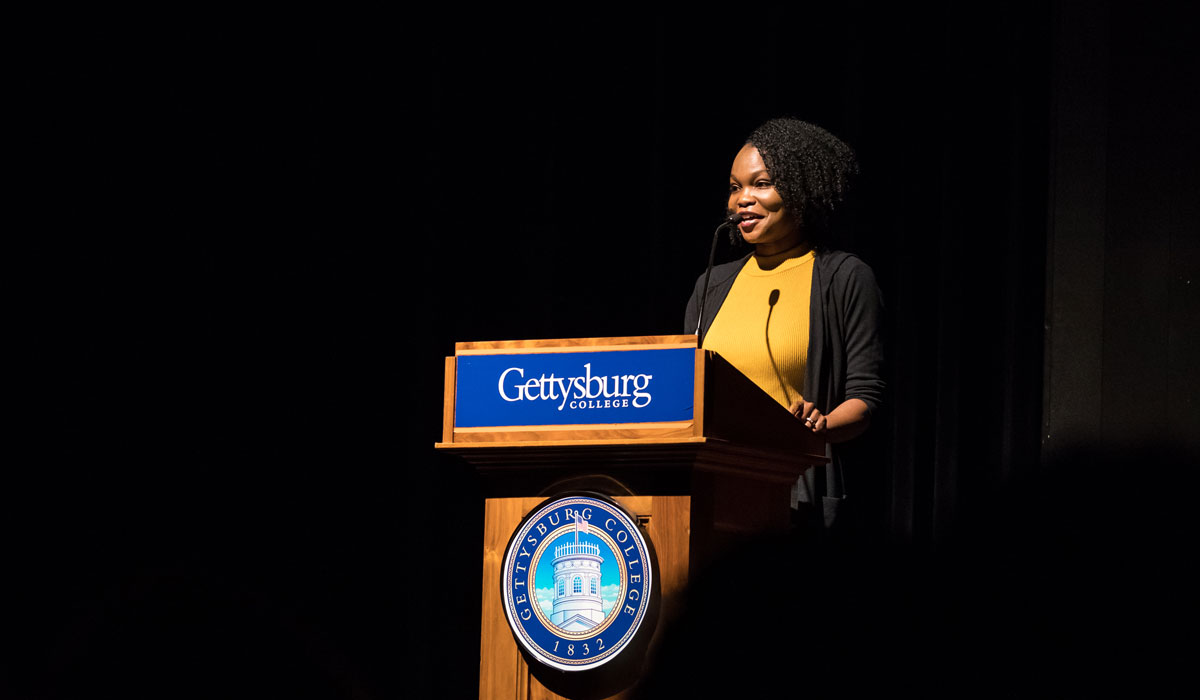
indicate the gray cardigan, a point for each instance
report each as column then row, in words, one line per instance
column 845, row 348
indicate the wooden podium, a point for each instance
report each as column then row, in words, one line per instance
column 697, row 485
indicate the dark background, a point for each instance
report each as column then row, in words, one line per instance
column 254, row 239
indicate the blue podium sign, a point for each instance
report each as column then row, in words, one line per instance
column 575, row 388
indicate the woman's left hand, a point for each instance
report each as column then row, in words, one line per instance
column 807, row 411
column 843, row 423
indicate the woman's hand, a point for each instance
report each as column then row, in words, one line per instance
column 847, row 421
column 807, row 411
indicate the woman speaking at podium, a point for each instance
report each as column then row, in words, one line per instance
column 800, row 319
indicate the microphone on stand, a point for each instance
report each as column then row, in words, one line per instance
column 733, row 220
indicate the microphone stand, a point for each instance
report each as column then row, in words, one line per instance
column 712, row 254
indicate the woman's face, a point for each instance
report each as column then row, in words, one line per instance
column 766, row 223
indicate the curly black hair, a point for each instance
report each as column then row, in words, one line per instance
column 812, row 170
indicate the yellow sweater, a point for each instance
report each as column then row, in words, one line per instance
column 762, row 327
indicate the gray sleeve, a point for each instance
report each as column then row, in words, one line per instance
column 862, row 318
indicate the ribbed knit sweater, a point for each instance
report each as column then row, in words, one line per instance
column 762, row 327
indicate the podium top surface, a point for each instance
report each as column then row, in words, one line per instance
column 619, row 392
column 500, row 347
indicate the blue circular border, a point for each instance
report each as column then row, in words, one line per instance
column 546, row 645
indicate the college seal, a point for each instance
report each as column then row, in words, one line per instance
column 577, row 582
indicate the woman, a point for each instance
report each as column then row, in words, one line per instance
column 799, row 319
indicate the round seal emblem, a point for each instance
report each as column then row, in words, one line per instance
column 577, row 582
